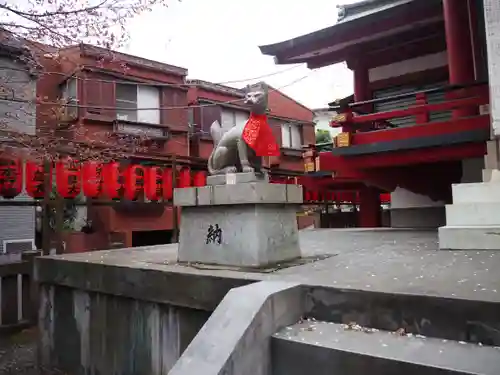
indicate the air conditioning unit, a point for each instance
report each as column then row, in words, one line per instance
column 18, row 246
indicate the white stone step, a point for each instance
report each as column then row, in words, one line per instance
column 476, row 192
column 469, row 237
column 473, row 214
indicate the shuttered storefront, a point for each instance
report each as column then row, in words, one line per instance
column 403, row 103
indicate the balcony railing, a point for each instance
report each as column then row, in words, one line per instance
column 463, row 118
column 466, row 99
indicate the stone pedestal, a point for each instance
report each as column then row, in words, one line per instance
column 235, row 223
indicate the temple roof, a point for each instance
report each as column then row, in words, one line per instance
column 353, row 19
column 349, row 12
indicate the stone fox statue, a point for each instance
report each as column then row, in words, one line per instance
column 241, row 148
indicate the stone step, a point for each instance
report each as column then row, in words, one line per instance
column 480, row 192
column 469, row 237
column 473, row 316
column 320, row 348
column 473, row 214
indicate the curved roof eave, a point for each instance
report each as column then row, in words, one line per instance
column 343, row 25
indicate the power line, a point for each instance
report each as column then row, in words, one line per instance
column 155, row 84
column 167, row 108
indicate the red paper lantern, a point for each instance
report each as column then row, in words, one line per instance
column 184, row 178
column 91, row 179
column 35, row 177
column 11, row 178
column 199, row 179
column 111, row 185
column 331, row 196
column 314, row 196
column 307, row 195
column 68, row 176
column 134, row 181
column 153, row 184
column 168, row 183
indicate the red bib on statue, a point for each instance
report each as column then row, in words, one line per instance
column 258, row 135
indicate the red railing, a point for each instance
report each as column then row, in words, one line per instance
column 465, row 97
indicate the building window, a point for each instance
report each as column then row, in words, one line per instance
column 70, row 96
column 190, row 115
column 138, row 103
column 231, row 118
column 291, row 136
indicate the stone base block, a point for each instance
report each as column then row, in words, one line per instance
column 473, row 214
column 248, row 235
column 476, row 192
column 469, row 238
column 473, row 220
column 243, row 193
column 236, row 178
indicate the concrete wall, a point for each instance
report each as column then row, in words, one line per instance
column 17, row 223
column 95, row 318
column 472, row 170
column 410, row 210
column 107, row 334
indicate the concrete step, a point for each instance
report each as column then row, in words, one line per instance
column 486, row 237
column 473, row 214
column 472, row 317
column 480, row 192
column 320, row 348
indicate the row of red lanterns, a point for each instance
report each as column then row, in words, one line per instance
column 95, row 179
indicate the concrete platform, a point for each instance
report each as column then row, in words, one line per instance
column 384, row 260
column 384, row 279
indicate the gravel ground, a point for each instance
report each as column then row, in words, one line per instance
column 18, row 353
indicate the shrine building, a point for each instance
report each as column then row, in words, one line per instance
column 418, row 120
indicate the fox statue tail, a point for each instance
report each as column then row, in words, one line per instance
column 216, row 133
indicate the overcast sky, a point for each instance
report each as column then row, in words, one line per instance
column 217, row 40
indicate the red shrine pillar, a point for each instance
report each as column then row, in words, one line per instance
column 459, row 48
column 361, row 86
column 361, row 83
column 369, row 207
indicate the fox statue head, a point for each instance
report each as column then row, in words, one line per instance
column 257, row 96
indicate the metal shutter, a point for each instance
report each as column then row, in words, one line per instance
column 392, row 105
column 437, row 97
column 396, row 104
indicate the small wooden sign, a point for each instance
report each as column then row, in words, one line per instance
column 343, row 139
column 309, row 166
